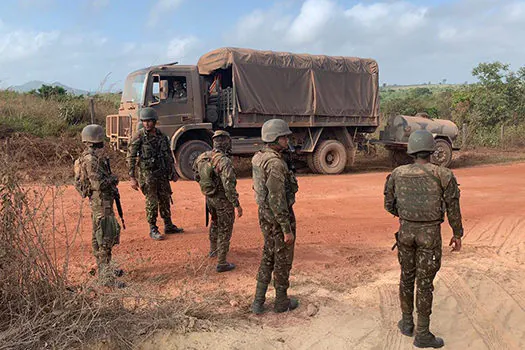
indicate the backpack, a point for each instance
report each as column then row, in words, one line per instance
column 205, row 174
column 82, row 184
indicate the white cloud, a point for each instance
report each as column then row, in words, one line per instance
column 22, row 44
column 314, row 16
column 180, row 48
column 412, row 42
column 160, row 8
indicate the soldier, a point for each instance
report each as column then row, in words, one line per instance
column 150, row 148
column 419, row 194
column 275, row 186
column 93, row 179
column 222, row 198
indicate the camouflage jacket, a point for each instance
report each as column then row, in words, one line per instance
column 275, row 185
column 223, row 168
column 423, row 193
column 152, row 153
column 92, row 175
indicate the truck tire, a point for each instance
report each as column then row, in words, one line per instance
column 443, row 154
column 310, row 162
column 186, row 155
column 330, row 157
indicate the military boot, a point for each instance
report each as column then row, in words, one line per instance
column 170, row 228
column 282, row 302
column 155, row 234
column 225, row 267
column 425, row 339
column 260, row 298
column 406, row 325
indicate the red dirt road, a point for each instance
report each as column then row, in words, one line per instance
column 343, row 231
column 343, row 264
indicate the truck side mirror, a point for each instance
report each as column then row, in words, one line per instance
column 163, row 89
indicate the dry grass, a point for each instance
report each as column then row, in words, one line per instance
column 40, row 306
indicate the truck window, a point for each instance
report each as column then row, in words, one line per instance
column 177, row 89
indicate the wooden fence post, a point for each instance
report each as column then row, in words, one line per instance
column 92, row 109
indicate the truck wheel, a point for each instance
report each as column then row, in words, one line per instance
column 310, row 162
column 443, row 154
column 330, row 157
column 400, row 157
column 186, row 155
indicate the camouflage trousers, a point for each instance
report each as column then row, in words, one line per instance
column 277, row 256
column 419, row 254
column 105, row 233
column 222, row 218
column 158, row 199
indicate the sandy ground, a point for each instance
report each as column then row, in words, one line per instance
column 343, row 266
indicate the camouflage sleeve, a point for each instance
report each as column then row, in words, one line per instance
column 229, row 180
column 98, row 174
column 132, row 156
column 277, row 193
column 451, row 197
column 389, row 192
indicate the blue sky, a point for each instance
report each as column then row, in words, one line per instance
column 79, row 42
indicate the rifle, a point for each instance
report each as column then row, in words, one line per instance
column 116, row 196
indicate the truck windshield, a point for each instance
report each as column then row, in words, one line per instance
column 134, row 88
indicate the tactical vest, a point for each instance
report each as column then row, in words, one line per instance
column 259, row 163
column 152, row 152
column 419, row 196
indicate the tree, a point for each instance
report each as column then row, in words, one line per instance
column 48, row 91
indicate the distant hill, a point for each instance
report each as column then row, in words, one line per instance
column 36, row 84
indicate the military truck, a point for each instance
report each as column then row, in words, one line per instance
column 330, row 103
column 398, row 128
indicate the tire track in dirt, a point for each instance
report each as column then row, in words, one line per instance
column 505, row 282
column 493, row 335
column 390, row 311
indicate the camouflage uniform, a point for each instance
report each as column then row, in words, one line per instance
column 420, row 195
column 275, row 187
column 221, row 205
column 156, row 168
column 96, row 183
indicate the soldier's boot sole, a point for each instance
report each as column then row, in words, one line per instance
column 225, row 267
column 406, row 328
column 292, row 304
column 429, row 341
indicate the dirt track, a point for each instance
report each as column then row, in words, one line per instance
column 343, row 265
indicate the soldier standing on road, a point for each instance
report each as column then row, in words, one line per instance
column 93, row 179
column 150, row 149
column 419, row 194
column 275, row 186
column 222, row 197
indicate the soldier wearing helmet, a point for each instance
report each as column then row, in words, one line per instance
column 219, row 181
column 275, row 186
column 150, row 151
column 93, row 179
column 420, row 194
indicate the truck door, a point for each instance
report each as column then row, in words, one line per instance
column 171, row 95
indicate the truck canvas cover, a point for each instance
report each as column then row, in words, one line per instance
column 281, row 83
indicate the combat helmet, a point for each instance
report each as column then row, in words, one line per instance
column 421, row 141
column 273, row 129
column 148, row 113
column 93, row 133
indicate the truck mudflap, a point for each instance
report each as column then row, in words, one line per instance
column 118, row 130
